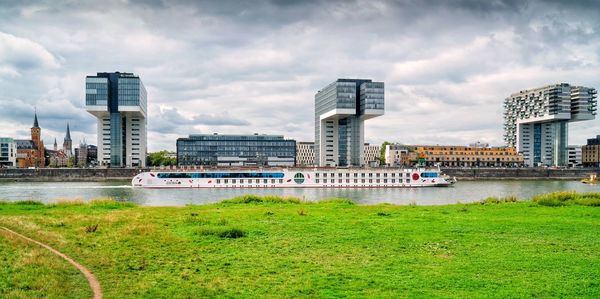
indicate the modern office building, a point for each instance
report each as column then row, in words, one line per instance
column 574, row 155
column 236, row 150
column 371, row 154
column 305, row 153
column 536, row 121
column 340, row 111
column 118, row 101
column 8, row 152
column 590, row 153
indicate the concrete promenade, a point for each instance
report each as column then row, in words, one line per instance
column 105, row 174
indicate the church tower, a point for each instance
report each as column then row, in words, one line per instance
column 36, row 132
column 38, row 158
column 55, row 145
column 68, row 143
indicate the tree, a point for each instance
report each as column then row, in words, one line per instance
column 382, row 152
column 71, row 162
column 161, row 158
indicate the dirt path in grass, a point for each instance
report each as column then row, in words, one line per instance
column 94, row 284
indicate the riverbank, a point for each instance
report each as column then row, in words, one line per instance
column 126, row 174
column 259, row 247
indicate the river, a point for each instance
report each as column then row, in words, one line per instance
column 463, row 192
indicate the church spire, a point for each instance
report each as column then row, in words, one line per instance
column 35, row 121
column 68, row 137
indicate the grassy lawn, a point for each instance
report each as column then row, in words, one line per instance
column 256, row 248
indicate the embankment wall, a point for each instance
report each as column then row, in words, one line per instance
column 519, row 173
column 67, row 174
column 103, row 174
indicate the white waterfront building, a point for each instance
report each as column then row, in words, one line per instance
column 371, row 154
column 340, row 111
column 575, row 155
column 394, row 154
column 305, row 153
column 536, row 121
column 8, row 152
column 118, row 101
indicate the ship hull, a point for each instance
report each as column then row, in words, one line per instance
column 293, row 178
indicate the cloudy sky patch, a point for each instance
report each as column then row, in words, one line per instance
column 254, row 66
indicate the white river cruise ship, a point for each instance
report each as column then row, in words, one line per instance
column 294, row 178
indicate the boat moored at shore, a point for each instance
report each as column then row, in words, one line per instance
column 294, row 178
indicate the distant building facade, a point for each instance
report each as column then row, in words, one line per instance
column 60, row 157
column 236, row 150
column 82, row 155
column 340, row 111
column 89, row 155
column 461, row 156
column 574, row 155
column 396, row 154
column 590, row 153
column 371, row 154
column 31, row 152
column 119, row 102
column 305, row 153
column 536, row 121
column 8, row 152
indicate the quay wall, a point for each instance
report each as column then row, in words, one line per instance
column 68, row 174
column 519, row 173
column 104, row 174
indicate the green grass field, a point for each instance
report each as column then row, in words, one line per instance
column 269, row 247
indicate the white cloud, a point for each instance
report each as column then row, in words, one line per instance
column 255, row 67
column 18, row 55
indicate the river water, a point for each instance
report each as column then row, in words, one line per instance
column 463, row 191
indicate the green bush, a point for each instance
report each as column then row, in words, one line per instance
column 232, row 233
column 28, row 203
column 256, row 199
column 497, row 200
column 228, row 233
column 490, row 200
column 110, row 204
column 557, row 199
column 342, row 201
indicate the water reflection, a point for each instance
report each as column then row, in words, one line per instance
column 465, row 191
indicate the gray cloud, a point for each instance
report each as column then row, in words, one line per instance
column 254, row 66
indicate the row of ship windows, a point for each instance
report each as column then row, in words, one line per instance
column 377, row 175
column 355, row 181
column 324, row 181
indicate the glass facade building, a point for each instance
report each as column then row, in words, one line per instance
column 119, row 102
column 536, row 121
column 340, row 111
column 235, row 150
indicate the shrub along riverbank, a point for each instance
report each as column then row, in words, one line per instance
column 269, row 246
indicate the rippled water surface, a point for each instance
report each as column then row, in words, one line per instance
column 463, row 191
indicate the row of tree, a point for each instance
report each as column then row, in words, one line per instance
column 161, row 158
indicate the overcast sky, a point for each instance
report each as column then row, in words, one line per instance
column 254, row 66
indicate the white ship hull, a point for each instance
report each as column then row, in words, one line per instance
column 294, row 178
